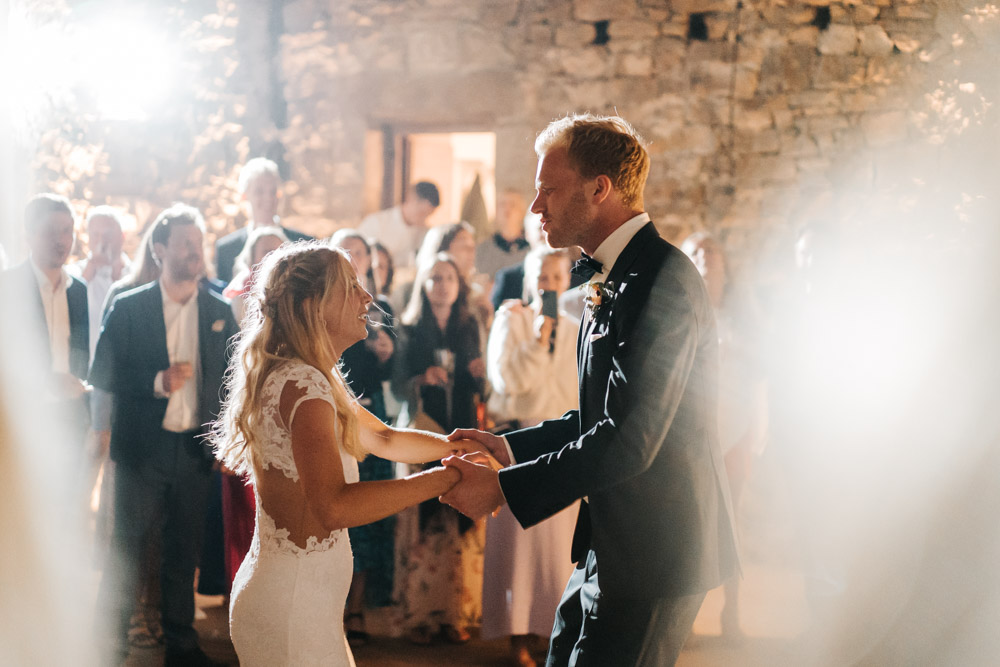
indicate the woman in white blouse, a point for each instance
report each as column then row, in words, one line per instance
column 531, row 363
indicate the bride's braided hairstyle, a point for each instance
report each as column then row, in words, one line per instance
column 282, row 322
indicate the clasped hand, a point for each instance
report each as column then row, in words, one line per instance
column 478, row 492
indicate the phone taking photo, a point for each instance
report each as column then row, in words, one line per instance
column 550, row 304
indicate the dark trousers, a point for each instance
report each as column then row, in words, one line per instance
column 593, row 629
column 173, row 484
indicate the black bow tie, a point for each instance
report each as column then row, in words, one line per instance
column 587, row 266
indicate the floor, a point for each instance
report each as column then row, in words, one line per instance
column 771, row 601
column 773, row 609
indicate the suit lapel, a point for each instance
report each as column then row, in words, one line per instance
column 617, row 281
column 152, row 313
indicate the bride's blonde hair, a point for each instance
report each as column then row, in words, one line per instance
column 283, row 321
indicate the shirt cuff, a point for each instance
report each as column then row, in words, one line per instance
column 158, row 389
column 510, row 454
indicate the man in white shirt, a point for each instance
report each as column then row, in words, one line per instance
column 162, row 354
column 41, row 296
column 104, row 264
column 401, row 228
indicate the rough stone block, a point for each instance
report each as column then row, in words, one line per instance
column 603, row 10
column 840, row 72
column 575, row 34
column 874, row 41
column 864, row 14
column 589, row 63
column 753, row 120
column 635, row 64
column 804, row 36
column 838, row 40
column 632, row 30
column 905, row 42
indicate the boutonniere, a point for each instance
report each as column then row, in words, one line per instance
column 218, row 325
column 599, row 294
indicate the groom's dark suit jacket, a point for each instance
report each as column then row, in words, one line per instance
column 643, row 447
column 132, row 349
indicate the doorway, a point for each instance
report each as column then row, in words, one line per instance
column 451, row 160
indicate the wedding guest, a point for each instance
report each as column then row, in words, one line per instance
column 259, row 242
column 145, row 626
column 401, row 228
column 531, row 364
column 294, row 426
column 458, row 240
column 742, row 386
column 441, row 371
column 507, row 246
column 51, row 305
column 383, row 270
column 260, row 189
column 366, row 365
column 104, row 264
column 162, row 355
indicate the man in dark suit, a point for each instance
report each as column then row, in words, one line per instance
column 42, row 296
column 642, row 450
column 260, row 188
column 162, row 354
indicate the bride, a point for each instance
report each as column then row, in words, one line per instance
column 291, row 423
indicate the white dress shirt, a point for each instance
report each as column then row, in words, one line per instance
column 181, row 320
column 400, row 239
column 607, row 254
column 56, row 307
column 97, row 290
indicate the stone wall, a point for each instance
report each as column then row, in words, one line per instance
column 758, row 113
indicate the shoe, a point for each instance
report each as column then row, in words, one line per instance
column 193, row 657
column 455, row 635
column 356, row 637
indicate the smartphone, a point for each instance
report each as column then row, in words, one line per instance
column 550, row 304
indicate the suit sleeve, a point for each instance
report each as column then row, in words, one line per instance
column 113, row 369
column 652, row 357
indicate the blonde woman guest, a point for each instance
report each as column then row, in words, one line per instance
column 531, row 363
column 293, row 425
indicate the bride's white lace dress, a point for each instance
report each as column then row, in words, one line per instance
column 287, row 603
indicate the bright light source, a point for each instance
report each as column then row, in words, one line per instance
column 117, row 67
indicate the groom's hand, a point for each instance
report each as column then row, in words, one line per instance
column 494, row 444
column 478, row 493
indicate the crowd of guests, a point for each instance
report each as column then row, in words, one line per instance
column 460, row 334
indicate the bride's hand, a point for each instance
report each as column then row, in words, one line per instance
column 473, row 451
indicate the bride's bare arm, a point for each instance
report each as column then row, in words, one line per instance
column 332, row 500
column 406, row 445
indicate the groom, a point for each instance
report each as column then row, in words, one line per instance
column 655, row 530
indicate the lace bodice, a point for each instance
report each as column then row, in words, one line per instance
column 275, row 441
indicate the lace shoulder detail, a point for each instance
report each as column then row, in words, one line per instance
column 275, row 450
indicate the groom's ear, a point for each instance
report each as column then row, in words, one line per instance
column 602, row 189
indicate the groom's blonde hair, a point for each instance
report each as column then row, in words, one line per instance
column 601, row 145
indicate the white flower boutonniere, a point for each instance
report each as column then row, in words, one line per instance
column 599, row 294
